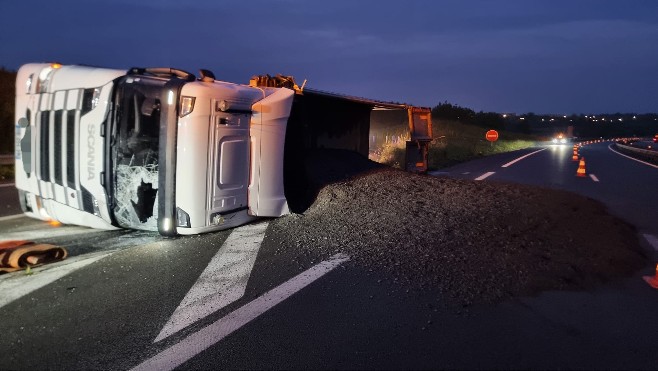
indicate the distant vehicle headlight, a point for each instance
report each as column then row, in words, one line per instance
column 555, row 140
column 563, row 140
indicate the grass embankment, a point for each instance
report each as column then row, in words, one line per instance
column 453, row 143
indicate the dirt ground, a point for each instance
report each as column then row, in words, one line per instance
column 471, row 242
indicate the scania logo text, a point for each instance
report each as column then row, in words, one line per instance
column 91, row 142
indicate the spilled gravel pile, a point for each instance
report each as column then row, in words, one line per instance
column 471, row 242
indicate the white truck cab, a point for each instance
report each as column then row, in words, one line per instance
column 152, row 149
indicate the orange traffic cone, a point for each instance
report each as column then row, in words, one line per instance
column 652, row 281
column 575, row 154
column 581, row 168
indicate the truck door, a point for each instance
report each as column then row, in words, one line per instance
column 228, row 160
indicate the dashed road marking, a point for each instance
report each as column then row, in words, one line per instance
column 222, row 282
column 196, row 343
column 485, row 175
column 594, row 178
column 521, row 158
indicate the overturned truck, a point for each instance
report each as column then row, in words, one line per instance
column 161, row 149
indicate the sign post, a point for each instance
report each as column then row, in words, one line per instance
column 492, row 136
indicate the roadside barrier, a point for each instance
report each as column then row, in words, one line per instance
column 643, row 154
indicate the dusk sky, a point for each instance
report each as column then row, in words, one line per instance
column 553, row 56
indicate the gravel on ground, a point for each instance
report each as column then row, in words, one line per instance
column 469, row 241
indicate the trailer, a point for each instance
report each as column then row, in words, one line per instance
column 161, row 149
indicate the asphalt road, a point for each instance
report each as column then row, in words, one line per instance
column 228, row 300
column 627, row 187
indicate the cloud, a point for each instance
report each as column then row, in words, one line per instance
column 536, row 56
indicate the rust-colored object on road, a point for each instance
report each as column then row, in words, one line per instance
column 581, row 168
column 492, row 135
column 575, row 154
column 652, row 281
column 17, row 255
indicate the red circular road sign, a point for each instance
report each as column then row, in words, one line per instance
column 492, row 135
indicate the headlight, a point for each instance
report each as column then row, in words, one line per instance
column 182, row 218
column 186, row 105
column 44, row 77
column 90, row 99
column 563, row 140
column 95, row 98
column 554, row 140
column 28, row 84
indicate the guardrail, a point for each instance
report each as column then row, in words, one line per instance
column 644, row 154
column 6, row 159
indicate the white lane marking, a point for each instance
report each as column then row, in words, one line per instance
column 7, row 185
column 594, row 178
column 11, row 217
column 196, row 343
column 222, row 282
column 653, row 240
column 521, row 158
column 485, row 175
column 17, row 284
column 48, row 232
column 634, row 159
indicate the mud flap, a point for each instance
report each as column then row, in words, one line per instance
column 416, row 156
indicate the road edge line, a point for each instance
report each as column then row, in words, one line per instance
column 632, row 158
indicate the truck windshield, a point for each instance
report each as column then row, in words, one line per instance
column 135, row 135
